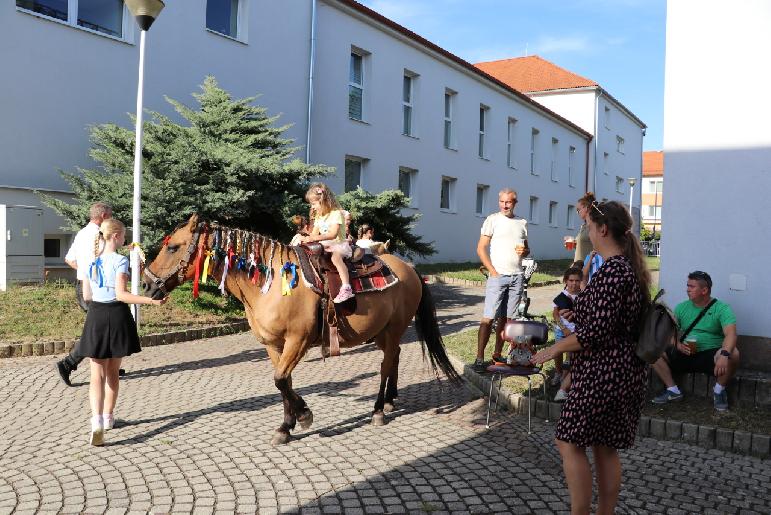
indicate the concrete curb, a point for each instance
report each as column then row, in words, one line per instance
column 708, row 437
column 16, row 350
column 443, row 279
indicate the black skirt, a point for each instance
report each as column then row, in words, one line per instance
column 109, row 332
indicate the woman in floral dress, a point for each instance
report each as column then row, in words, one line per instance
column 602, row 410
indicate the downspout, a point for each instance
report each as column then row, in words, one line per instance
column 586, row 175
column 312, row 62
column 596, row 128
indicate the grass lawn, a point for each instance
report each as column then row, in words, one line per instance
column 548, row 270
column 50, row 312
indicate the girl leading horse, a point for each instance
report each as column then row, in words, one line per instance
column 288, row 325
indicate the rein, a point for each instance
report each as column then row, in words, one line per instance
column 184, row 263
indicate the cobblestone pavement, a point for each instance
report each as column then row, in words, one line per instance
column 196, row 419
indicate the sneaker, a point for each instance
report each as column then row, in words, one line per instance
column 561, row 395
column 720, row 400
column 666, row 397
column 479, row 366
column 108, row 421
column 345, row 293
column 498, row 360
column 64, row 372
column 97, row 437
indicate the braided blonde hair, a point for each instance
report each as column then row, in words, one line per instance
column 109, row 228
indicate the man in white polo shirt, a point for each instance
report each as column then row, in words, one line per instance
column 506, row 237
column 79, row 257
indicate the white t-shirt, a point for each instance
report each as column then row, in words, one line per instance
column 82, row 249
column 505, row 234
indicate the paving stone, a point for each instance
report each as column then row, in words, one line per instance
column 742, row 442
column 724, row 439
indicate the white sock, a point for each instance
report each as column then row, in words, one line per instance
column 674, row 389
column 106, row 418
column 718, row 388
column 96, row 423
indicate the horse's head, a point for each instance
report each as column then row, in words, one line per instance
column 171, row 266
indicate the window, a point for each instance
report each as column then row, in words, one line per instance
column 103, row 16
column 353, row 172
column 407, row 100
column 555, row 148
column 605, row 159
column 481, row 204
column 619, row 144
column 449, row 108
column 52, row 247
column 533, row 145
column 222, row 17
column 356, row 87
column 654, row 186
column 553, row 213
column 607, row 117
column 533, row 213
column 570, row 218
column 653, row 212
column 510, row 162
column 408, row 182
column 619, row 184
column 571, row 166
column 482, row 127
column 447, row 197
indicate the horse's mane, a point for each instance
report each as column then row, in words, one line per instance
column 223, row 238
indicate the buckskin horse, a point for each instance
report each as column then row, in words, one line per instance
column 289, row 325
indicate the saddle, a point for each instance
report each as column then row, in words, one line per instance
column 367, row 273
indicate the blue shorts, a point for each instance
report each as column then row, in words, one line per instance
column 502, row 296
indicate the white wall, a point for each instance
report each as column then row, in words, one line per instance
column 717, row 151
column 381, row 142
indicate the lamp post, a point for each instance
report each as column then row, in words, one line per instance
column 145, row 12
column 632, row 181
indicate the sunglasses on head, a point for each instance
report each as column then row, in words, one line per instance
column 701, row 276
column 596, row 205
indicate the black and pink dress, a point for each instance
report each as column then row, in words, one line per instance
column 608, row 379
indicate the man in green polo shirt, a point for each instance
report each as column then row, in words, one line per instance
column 715, row 334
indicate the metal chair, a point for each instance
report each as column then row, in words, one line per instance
column 528, row 334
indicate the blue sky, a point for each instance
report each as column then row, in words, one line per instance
column 617, row 43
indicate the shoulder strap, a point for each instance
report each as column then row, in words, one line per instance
column 696, row 320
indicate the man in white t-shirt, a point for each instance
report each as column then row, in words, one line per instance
column 506, row 237
column 79, row 257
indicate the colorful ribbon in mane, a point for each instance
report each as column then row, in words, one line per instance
column 205, row 273
column 288, row 278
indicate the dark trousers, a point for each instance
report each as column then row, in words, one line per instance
column 73, row 359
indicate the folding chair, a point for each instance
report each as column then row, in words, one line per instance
column 528, row 333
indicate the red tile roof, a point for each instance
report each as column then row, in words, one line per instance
column 653, row 163
column 533, row 73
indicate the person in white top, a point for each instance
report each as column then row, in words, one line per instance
column 366, row 233
column 79, row 256
column 506, row 237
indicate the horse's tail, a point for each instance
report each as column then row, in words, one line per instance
column 427, row 328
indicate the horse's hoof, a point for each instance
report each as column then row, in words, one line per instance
column 306, row 419
column 279, row 438
column 378, row 419
column 388, row 407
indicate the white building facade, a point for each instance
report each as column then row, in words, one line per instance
column 388, row 109
column 717, row 155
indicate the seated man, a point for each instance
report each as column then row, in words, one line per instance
column 715, row 335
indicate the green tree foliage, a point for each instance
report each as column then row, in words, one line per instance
column 384, row 213
column 647, row 235
column 229, row 162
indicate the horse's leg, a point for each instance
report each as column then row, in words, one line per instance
column 391, row 392
column 390, row 348
column 295, row 409
column 282, row 433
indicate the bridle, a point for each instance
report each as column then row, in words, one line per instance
column 184, row 263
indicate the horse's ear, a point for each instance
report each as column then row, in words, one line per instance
column 193, row 222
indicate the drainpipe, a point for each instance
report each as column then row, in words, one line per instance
column 586, row 174
column 596, row 128
column 310, row 82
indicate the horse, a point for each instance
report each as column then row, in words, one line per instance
column 289, row 325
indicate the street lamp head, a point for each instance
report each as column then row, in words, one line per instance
column 145, row 11
column 632, row 181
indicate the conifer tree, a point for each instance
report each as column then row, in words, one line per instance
column 384, row 213
column 228, row 162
